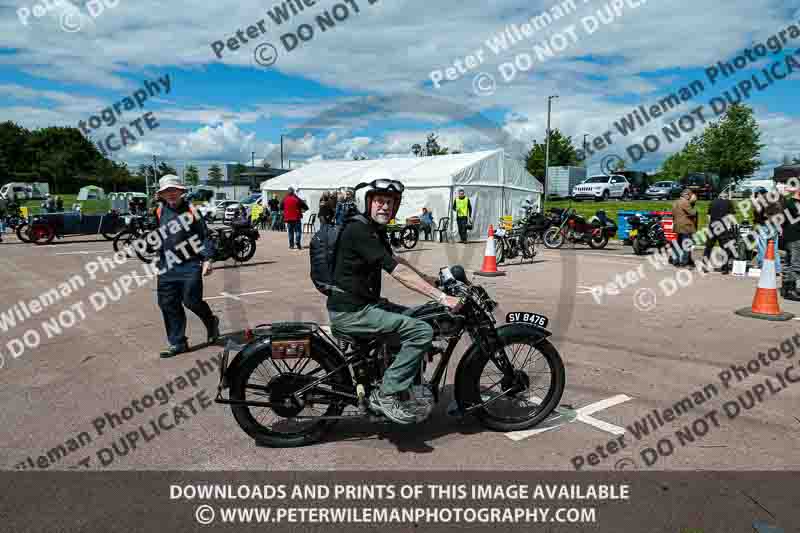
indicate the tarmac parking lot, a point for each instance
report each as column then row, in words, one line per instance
column 654, row 354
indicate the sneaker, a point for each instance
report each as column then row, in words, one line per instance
column 291, row 247
column 395, row 409
column 213, row 331
column 173, row 350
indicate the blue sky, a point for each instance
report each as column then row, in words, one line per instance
column 328, row 95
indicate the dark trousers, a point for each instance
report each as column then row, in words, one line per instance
column 723, row 239
column 173, row 295
column 295, row 230
column 426, row 230
column 462, row 227
column 684, row 258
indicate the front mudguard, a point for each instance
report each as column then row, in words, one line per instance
column 473, row 353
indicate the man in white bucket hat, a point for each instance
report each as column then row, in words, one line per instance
column 182, row 265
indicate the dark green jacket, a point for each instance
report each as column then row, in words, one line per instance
column 791, row 226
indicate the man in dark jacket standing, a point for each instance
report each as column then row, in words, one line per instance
column 720, row 208
column 184, row 258
column 463, row 209
column 684, row 216
column 293, row 208
column 791, row 237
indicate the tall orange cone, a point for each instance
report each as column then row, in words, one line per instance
column 489, row 267
column 765, row 302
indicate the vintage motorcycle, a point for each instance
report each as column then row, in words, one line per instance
column 291, row 381
column 577, row 230
column 519, row 241
column 237, row 241
column 646, row 234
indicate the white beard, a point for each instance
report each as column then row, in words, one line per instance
column 381, row 219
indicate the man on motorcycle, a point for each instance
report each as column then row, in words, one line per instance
column 357, row 307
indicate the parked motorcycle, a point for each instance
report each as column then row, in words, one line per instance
column 577, row 230
column 138, row 226
column 519, row 241
column 646, row 234
column 291, row 381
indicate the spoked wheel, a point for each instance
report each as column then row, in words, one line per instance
column 127, row 241
column 283, row 421
column 499, row 251
column 638, row 247
column 244, row 248
column 525, row 395
column 529, row 245
column 554, row 238
column 409, row 237
column 41, row 235
column 23, row 232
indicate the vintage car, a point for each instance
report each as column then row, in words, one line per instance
column 43, row 228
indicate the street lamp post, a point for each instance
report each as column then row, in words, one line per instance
column 584, row 148
column 547, row 146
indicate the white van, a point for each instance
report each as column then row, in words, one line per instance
column 25, row 191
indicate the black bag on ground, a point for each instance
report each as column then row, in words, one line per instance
column 322, row 252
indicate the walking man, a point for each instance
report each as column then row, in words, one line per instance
column 274, row 210
column 184, row 258
column 293, row 208
column 720, row 208
column 463, row 209
column 791, row 237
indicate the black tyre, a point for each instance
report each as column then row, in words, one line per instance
column 409, row 237
column 532, row 395
column 625, row 195
column 122, row 240
column 553, row 238
column 499, row 251
column 244, row 248
column 23, row 231
column 42, row 234
column 598, row 242
column 638, row 247
column 529, row 245
column 263, row 379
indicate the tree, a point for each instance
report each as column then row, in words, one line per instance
column 164, row 169
column 732, row 147
column 431, row 148
column 620, row 166
column 562, row 154
column 362, row 157
column 215, row 175
column 191, row 175
column 796, row 161
column 238, row 170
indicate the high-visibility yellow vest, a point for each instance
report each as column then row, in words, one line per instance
column 461, row 207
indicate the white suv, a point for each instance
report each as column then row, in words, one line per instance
column 602, row 187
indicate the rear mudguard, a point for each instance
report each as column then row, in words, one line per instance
column 256, row 347
column 462, row 382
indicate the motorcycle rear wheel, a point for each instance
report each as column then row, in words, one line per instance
column 260, row 378
column 23, row 232
column 244, row 248
column 547, row 396
column 638, row 247
column 499, row 251
column 598, row 243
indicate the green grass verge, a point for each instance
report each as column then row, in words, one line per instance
column 87, row 206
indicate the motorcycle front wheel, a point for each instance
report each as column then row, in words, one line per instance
column 553, row 238
column 244, row 248
column 23, row 231
column 499, row 251
column 598, row 242
column 526, row 398
column 638, row 247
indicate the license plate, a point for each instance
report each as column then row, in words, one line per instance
column 529, row 318
column 634, row 232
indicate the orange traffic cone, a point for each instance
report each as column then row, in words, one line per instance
column 765, row 302
column 489, row 267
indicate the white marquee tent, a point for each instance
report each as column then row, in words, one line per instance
column 496, row 184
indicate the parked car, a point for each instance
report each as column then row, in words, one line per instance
column 247, row 203
column 602, row 187
column 704, row 184
column 638, row 182
column 745, row 188
column 217, row 209
column 663, row 190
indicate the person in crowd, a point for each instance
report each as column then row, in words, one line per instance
column 325, row 214
column 791, row 237
column 293, row 208
column 426, row 223
column 763, row 213
column 274, row 211
column 3, row 214
column 59, row 204
column 180, row 283
column 720, row 208
column 684, row 217
column 346, row 204
column 332, row 205
column 463, row 208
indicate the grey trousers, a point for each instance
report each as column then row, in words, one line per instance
column 792, row 272
column 416, row 337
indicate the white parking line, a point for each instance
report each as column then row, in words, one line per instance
column 582, row 415
column 235, row 296
column 75, row 253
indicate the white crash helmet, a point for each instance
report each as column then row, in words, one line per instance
column 382, row 181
